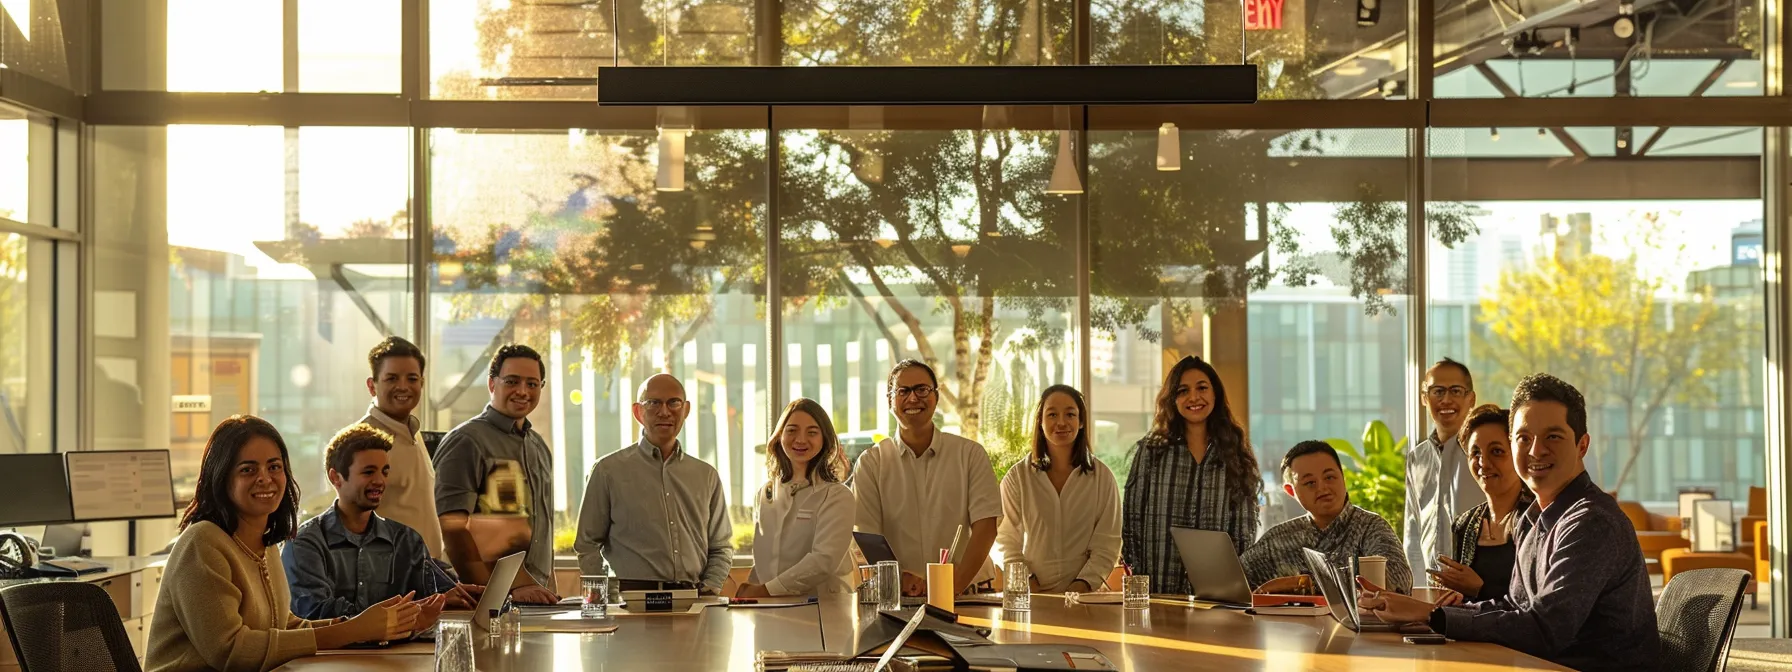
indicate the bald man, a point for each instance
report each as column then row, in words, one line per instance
column 656, row 514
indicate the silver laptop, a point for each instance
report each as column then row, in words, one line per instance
column 503, row 575
column 1214, row 572
column 1339, row 588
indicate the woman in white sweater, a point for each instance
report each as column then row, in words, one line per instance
column 802, row 527
column 1060, row 505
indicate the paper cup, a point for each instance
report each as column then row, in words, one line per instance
column 1374, row 568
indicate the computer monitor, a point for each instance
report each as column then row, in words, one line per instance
column 120, row 484
column 36, row 487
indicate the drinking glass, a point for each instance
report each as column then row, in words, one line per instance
column 1017, row 593
column 596, row 592
column 454, row 645
column 1136, row 591
column 889, row 586
column 867, row 584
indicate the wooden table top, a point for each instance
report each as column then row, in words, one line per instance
column 1166, row 636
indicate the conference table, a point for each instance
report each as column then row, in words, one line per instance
column 1170, row 635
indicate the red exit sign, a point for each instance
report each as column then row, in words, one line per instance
column 1263, row 14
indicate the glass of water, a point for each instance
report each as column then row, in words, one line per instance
column 1136, row 591
column 1017, row 588
column 454, row 645
column 596, row 593
column 867, row 584
column 888, row 580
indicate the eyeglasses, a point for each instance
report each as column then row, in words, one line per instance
column 920, row 391
column 1453, row 392
column 532, row 383
column 653, row 405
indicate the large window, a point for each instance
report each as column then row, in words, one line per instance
column 1637, row 280
column 249, row 46
column 616, row 254
column 25, row 346
column 244, row 269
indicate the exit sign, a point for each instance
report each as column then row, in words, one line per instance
column 1263, row 14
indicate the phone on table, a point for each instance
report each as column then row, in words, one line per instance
column 1432, row 638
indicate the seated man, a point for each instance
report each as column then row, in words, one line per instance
column 656, row 514
column 347, row 558
column 1313, row 476
column 1580, row 590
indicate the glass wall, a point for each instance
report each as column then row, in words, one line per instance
column 248, row 46
column 1639, row 281
column 616, row 254
column 244, row 269
column 25, row 346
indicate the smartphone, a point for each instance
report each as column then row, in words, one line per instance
column 1426, row 639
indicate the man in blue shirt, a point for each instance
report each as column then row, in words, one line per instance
column 348, row 558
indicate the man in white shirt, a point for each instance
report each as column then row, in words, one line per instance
column 1439, row 483
column 916, row 488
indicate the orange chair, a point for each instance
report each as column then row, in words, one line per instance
column 1763, row 555
column 1745, row 528
column 1654, row 532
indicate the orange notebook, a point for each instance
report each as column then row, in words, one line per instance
column 1262, row 601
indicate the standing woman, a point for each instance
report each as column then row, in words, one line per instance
column 1195, row 469
column 1060, row 506
column 223, row 601
column 1484, row 536
column 802, row 527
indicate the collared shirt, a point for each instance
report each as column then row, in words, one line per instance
column 1061, row 535
column 1439, row 485
column 917, row 502
column 471, row 451
column 1355, row 533
column 654, row 519
column 335, row 572
column 802, row 539
column 1580, row 592
column 1166, row 488
column 411, row 484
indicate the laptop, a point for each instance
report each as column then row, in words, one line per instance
column 503, row 575
column 876, row 549
column 1343, row 600
column 1214, row 572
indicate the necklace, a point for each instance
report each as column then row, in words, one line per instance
column 267, row 585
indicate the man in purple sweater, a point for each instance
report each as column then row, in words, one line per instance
column 1580, row 591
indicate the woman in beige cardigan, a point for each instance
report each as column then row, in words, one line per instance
column 223, row 601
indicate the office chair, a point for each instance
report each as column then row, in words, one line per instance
column 66, row 625
column 1696, row 617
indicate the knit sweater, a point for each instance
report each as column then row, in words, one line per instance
column 213, row 611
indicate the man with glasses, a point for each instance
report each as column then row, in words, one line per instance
column 476, row 466
column 918, row 487
column 657, row 515
column 1439, row 483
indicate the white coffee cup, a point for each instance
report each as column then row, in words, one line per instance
column 1374, row 568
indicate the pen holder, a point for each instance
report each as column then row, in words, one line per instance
column 939, row 585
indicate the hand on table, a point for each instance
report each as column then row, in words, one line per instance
column 533, row 595
column 753, row 590
column 1391, row 607
column 428, row 610
column 913, row 585
column 1456, row 576
column 463, row 596
column 1449, row 598
column 395, row 618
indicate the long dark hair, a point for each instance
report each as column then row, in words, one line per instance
column 822, row 467
column 211, row 497
column 1080, row 455
column 1243, row 476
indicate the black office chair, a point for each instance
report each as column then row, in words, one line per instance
column 1696, row 617
column 66, row 625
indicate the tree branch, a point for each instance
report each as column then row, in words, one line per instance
column 902, row 312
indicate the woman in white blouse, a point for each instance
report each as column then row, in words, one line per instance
column 802, row 527
column 1060, row 505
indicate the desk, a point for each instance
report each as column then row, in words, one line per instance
column 131, row 582
column 1164, row 637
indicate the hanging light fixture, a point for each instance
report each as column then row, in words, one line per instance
column 1493, row 134
column 1169, row 147
column 1064, row 177
column 671, row 169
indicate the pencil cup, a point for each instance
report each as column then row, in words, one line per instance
column 939, row 585
column 1135, row 591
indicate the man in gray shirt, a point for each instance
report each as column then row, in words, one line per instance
column 1580, row 590
column 487, row 450
column 1439, row 484
column 656, row 514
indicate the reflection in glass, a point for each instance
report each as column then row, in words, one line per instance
column 563, row 242
column 1663, row 293
column 941, row 246
column 928, row 32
